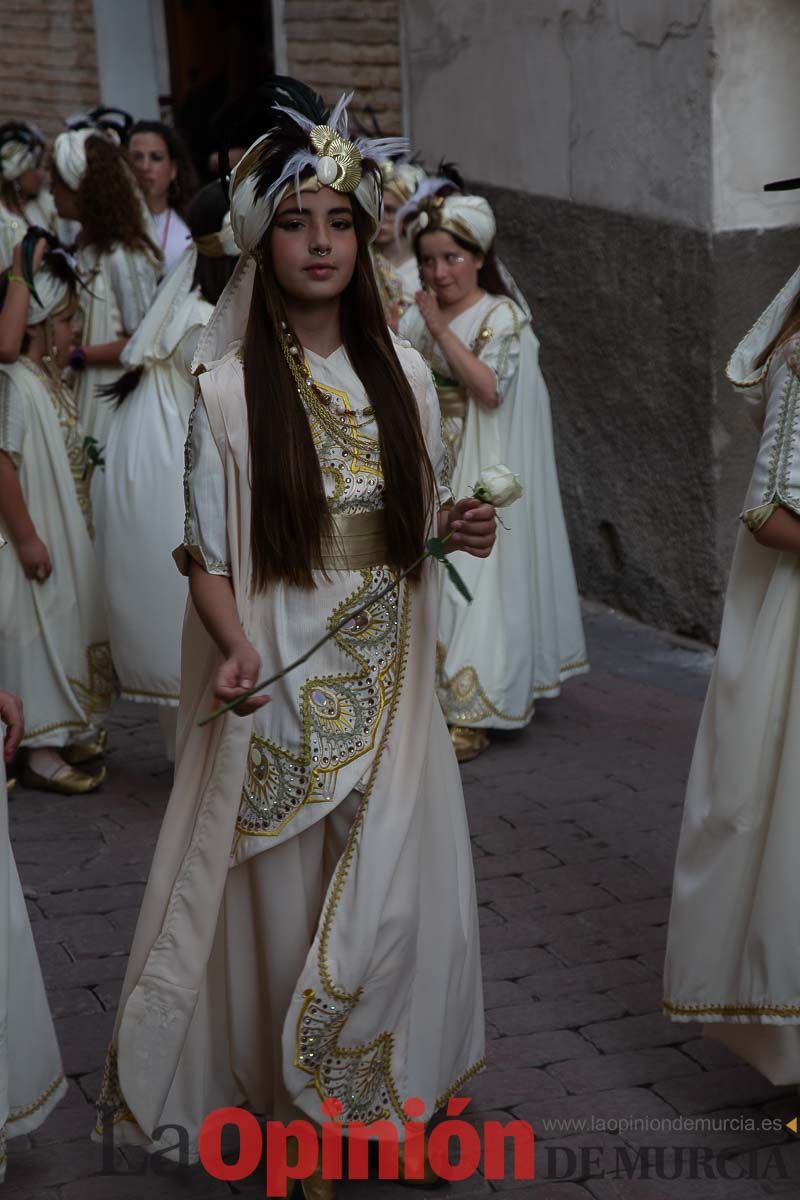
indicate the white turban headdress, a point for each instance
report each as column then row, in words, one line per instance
column 402, row 178
column 330, row 158
column 20, row 154
column 69, row 153
column 52, row 295
column 467, row 217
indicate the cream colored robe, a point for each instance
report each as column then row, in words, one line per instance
column 120, row 287
column 53, row 640
column 388, row 1001
column 732, row 957
column 139, row 497
column 31, row 1075
column 522, row 636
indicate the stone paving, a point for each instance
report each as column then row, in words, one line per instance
column 574, row 825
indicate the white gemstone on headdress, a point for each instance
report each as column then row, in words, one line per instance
column 423, row 219
column 327, row 169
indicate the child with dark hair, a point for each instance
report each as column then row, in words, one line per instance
column 309, row 931
column 117, row 258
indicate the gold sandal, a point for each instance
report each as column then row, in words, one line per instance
column 66, row 781
column 83, row 752
column 468, row 743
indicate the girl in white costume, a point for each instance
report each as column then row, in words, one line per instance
column 118, row 261
column 396, row 266
column 522, row 636
column 31, row 1074
column 24, row 199
column 140, row 509
column 309, row 928
column 164, row 169
column 53, row 647
column 732, row 960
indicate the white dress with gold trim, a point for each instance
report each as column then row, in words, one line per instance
column 31, row 1075
column 53, row 640
column 139, row 499
column 732, row 958
column 309, row 928
column 120, row 286
column 522, row 636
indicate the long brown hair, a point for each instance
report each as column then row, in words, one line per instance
column 788, row 329
column 110, row 211
column 289, row 508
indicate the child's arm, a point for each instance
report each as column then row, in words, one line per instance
column 781, row 531
column 214, row 600
column 31, row 550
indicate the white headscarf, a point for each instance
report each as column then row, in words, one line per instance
column 17, row 157
column 402, row 178
column 335, row 160
column 69, row 153
column 54, row 293
column 468, row 217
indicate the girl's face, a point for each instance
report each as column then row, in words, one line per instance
column 30, row 182
column 154, row 168
column 391, row 207
column 67, row 332
column 448, row 268
column 65, row 200
column 314, row 247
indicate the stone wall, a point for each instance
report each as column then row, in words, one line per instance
column 345, row 45
column 48, row 60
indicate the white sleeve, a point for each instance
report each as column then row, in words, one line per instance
column 497, row 344
column 133, row 280
column 12, row 419
column 205, row 537
column 420, row 378
column 775, row 481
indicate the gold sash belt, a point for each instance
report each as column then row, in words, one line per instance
column 356, row 540
column 452, row 400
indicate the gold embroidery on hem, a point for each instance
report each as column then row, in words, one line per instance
column 97, row 695
column 465, row 701
column 480, row 1065
column 17, row 1114
column 731, row 1010
column 375, row 1079
column 110, row 1103
column 124, row 691
column 30, row 734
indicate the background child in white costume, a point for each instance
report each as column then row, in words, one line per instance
column 523, row 635
column 31, row 1074
column 140, row 509
column 53, row 646
column 117, row 259
column 732, row 958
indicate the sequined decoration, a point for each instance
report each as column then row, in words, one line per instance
column 340, row 715
column 360, row 1078
column 97, row 694
column 110, row 1105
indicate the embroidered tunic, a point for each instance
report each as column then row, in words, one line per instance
column 522, row 636
column 732, row 959
column 53, row 643
column 120, row 287
column 139, row 497
column 380, row 996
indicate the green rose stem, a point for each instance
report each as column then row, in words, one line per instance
column 434, row 548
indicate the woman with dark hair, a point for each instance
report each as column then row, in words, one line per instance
column 309, row 932
column 117, row 259
column 167, row 177
column 53, row 645
column 522, row 636
column 140, row 494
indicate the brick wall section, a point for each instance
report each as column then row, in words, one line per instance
column 48, row 61
column 346, row 45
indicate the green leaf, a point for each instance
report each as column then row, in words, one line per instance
column 480, row 493
column 457, row 581
column 435, row 547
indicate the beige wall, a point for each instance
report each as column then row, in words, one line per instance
column 48, row 60
column 346, row 45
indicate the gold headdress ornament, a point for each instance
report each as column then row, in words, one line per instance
column 334, row 159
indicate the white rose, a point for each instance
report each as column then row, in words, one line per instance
column 498, row 486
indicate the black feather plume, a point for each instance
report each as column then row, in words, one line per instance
column 291, row 93
column 450, row 171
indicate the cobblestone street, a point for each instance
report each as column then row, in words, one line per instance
column 574, row 827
